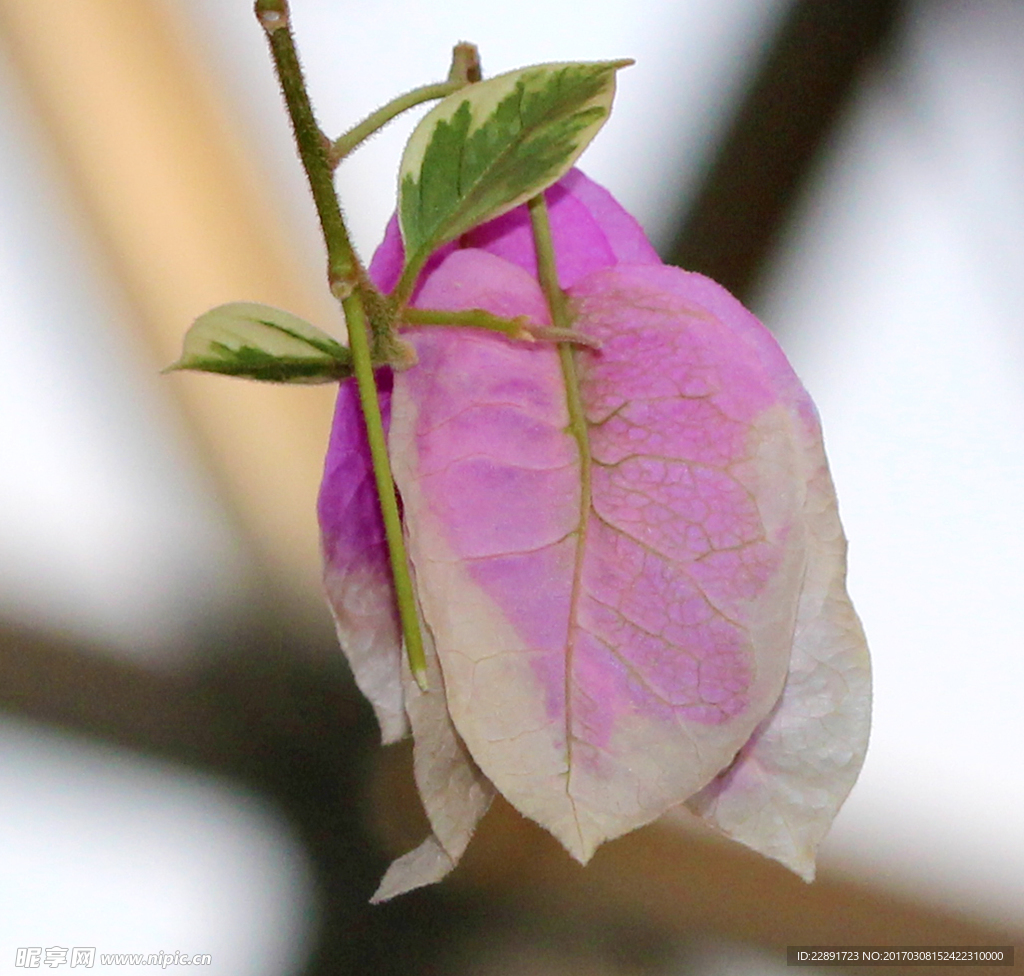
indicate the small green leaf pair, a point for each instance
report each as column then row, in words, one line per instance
column 479, row 153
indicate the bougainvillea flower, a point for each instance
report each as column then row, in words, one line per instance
column 631, row 577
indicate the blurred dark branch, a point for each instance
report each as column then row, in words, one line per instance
column 203, row 717
column 54, row 680
column 806, row 79
column 280, row 720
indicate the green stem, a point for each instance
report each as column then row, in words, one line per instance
column 358, row 134
column 348, row 283
column 547, row 274
column 520, row 328
column 465, row 70
column 402, row 291
column 478, row 318
column 343, row 270
column 355, row 317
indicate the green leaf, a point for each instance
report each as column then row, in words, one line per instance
column 493, row 145
column 262, row 343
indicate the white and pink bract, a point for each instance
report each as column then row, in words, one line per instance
column 652, row 615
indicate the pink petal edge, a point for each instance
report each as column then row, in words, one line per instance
column 357, row 568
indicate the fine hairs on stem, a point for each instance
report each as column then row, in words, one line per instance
column 347, row 282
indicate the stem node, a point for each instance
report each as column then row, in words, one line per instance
column 465, row 67
column 341, row 286
column 272, row 14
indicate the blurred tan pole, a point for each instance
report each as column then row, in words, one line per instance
column 188, row 222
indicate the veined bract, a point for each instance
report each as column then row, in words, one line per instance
column 631, row 575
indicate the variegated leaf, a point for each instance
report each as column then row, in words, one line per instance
column 260, row 342
column 495, row 144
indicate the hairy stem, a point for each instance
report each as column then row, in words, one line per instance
column 342, row 265
column 348, row 283
column 358, row 134
column 465, row 70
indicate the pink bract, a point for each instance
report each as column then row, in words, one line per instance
column 642, row 608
